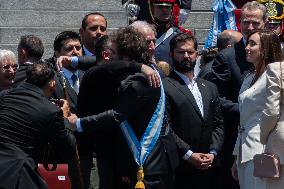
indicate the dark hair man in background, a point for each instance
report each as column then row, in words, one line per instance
column 30, row 50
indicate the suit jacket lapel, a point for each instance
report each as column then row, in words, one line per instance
column 80, row 75
column 71, row 92
column 205, row 98
column 240, row 54
column 182, row 87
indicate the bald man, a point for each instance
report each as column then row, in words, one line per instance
column 228, row 38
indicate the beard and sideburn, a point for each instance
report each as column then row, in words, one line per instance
column 183, row 66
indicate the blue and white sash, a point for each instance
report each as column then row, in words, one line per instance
column 165, row 36
column 142, row 149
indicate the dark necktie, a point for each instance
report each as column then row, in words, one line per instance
column 75, row 83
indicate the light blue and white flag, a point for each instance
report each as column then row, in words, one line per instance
column 224, row 19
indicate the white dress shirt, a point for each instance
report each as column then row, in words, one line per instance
column 192, row 86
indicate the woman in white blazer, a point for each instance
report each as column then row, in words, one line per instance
column 262, row 48
column 272, row 122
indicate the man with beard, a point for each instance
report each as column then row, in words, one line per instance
column 194, row 109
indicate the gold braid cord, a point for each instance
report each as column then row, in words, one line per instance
column 140, row 177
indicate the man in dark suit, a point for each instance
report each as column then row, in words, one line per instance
column 194, row 109
column 68, row 43
column 136, row 101
column 228, row 71
column 30, row 50
column 93, row 27
column 106, row 77
column 230, row 65
column 28, row 122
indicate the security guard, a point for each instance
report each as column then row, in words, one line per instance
column 162, row 16
column 275, row 15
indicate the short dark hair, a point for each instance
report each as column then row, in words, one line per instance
column 182, row 37
column 39, row 74
column 33, row 45
column 101, row 45
column 61, row 37
column 132, row 44
column 84, row 24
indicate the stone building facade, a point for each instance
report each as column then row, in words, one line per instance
column 46, row 18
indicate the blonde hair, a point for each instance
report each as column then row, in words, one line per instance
column 164, row 66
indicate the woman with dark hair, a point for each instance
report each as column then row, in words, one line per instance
column 263, row 48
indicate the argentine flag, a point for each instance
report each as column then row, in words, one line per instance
column 224, row 19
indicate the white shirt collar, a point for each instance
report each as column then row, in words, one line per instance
column 185, row 78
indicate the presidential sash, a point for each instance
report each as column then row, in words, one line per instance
column 142, row 149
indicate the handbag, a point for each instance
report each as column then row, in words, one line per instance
column 57, row 178
column 266, row 165
column 55, row 175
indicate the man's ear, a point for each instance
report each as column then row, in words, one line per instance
column 56, row 53
column 23, row 53
column 52, row 85
column 81, row 30
column 171, row 54
column 106, row 55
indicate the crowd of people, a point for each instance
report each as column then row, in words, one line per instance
column 129, row 110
